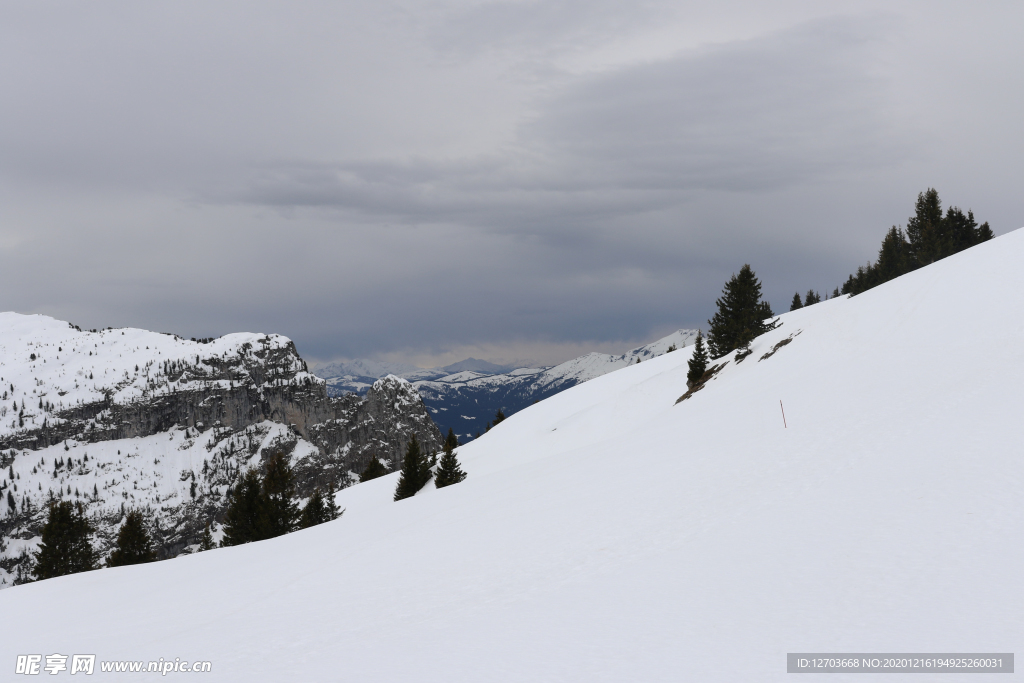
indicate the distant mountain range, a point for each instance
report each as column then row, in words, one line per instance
column 465, row 396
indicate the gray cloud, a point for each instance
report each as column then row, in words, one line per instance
column 523, row 179
column 754, row 116
column 531, row 30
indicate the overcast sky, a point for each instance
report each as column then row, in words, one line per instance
column 513, row 180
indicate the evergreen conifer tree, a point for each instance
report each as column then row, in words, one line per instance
column 741, row 314
column 415, row 471
column 375, row 468
column 242, row 518
column 929, row 237
column 698, row 363
column 500, row 416
column 449, row 471
column 65, row 547
column 315, row 511
column 206, row 542
column 133, row 544
column 319, row 508
column 924, row 229
column 280, row 513
column 812, row 298
column 331, row 505
column 796, row 303
column 893, row 258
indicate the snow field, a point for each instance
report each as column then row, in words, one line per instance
column 610, row 534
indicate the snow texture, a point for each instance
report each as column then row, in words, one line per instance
column 610, row 533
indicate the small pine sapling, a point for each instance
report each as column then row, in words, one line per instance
column 206, row 542
column 698, row 363
column 450, row 471
column 415, row 471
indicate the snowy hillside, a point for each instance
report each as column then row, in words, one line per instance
column 48, row 367
column 126, row 418
column 614, row 533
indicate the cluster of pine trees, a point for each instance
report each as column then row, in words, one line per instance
column 810, row 299
column 418, row 468
column 66, row 544
column 930, row 236
column 263, row 507
column 260, row 507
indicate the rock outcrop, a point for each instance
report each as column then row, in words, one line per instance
column 98, row 416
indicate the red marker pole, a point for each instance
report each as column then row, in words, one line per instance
column 785, row 426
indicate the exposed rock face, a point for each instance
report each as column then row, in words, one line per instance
column 99, row 417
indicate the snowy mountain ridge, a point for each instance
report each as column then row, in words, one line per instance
column 466, row 400
column 94, row 416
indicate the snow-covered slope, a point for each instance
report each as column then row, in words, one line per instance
column 610, row 533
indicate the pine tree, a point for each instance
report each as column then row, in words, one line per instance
column 812, row 298
column 331, row 504
column 929, row 237
column 698, row 363
column 500, row 416
column 65, row 547
column 741, row 314
column 375, row 468
column 796, row 303
column 924, row 228
column 893, row 258
column 315, row 511
column 133, row 544
column 206, row 542
column 415, row 471
column 280, row 513
column 319, row 509
column 242, row 518
column 449, row 471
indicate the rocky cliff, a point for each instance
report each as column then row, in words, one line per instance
column 128, row 418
